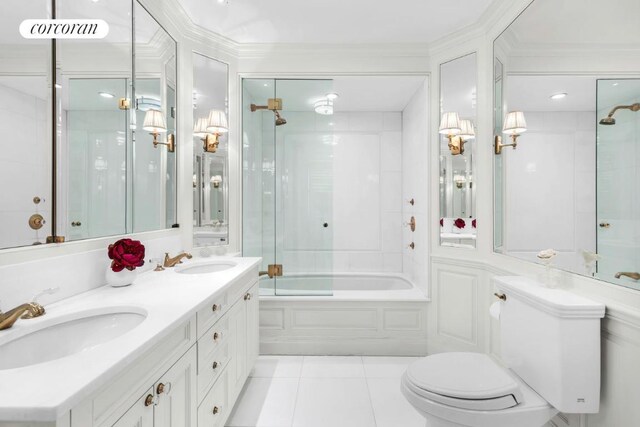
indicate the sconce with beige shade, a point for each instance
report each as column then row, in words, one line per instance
column 217, row 124
column 155, row 124
column 514, row 125
column 209, row 143
column 452, row 127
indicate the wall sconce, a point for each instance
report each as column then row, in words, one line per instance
column 450, row 127
column 209, row 142
column 154, row 123
column 217, row 125
column 216, row 180
column 514, row 125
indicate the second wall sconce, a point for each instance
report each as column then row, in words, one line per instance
column 457, row 131
column 209, row 130
column 208, row 140
column 514, row 125
column 155, row 124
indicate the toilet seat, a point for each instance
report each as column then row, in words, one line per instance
column 464, row 380
column 470, row 389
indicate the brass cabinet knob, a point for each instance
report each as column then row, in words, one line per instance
column 215, row 307
column 149, row 400
column 217, row 336
column 605, row 225
column 36, row 221
column 76, row 224
column 216, row 410
column 215, row 365
column 247, row 296
column 503, row 297
column 160, row 388
column 412, row 245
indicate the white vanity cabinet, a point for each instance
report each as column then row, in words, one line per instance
column 192, row 378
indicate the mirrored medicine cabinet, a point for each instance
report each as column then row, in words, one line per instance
column 80, row 119
column 210, row 152
column 567, row 102
column 458, row 148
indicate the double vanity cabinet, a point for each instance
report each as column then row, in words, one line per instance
column 192, row 373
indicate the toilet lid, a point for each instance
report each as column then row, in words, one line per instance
column 464, row 380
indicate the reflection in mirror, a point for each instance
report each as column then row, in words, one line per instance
column 154, row 123
column 210, row 152
column 571, row 184
column 25, row 105
column 93, row 137
column 457, row 152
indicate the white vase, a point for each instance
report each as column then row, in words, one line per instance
column 121, row 278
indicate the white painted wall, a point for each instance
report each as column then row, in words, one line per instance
column 550, row 188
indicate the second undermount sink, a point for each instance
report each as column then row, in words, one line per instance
column 67, row 337
column 208, row 267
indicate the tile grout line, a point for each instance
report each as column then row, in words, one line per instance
column 295, row 402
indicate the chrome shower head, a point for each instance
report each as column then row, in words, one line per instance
column 279, row 119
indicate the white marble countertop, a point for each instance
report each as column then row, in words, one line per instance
column 46, row 391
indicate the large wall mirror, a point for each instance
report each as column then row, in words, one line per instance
column 210, row 152
column 458, row 82
column 99, row 112
column 567, row 149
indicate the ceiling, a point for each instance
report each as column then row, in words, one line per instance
column 334, row 21
column 361, row 93
column 578, row 22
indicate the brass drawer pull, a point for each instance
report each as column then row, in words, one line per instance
column 247, row 296
column 215, row 365
column 149, row 400
column 163, row 388
column 217, row 336
column 503, row 297
column 216, row 410
column 215, row 307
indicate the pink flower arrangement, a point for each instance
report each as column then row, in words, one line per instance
column 126, row 253
column 473, row 223
column 459, row 223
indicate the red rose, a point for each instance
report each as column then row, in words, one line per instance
column 473, row 223
column 441, row 222
column 126, row 253
column 459, row 223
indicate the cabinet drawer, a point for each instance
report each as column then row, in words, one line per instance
column 211, row 313
column 214, row 409
column 210, row 368
column 213, row 339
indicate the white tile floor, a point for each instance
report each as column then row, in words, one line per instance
column 325, row 391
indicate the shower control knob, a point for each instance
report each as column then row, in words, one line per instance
column 325, row 225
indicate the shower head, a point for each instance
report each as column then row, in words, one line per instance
column 279, row 119
column 609, row 120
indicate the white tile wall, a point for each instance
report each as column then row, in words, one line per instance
column 25, row 163
column 415, row 179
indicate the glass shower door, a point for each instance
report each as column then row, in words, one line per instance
column 618, row 174
column 288, row 157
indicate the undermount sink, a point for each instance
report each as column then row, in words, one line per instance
column 68, row 337
column 204, row 268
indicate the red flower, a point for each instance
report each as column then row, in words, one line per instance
column 473, row 223
column 441, row 222
column 459, row 223
column 126, row 253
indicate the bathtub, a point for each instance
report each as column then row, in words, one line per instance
column 343, row 314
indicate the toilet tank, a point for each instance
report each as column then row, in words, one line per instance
column 551, row 339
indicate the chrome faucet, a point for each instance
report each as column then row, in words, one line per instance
column 24, row 311
column 171, row 262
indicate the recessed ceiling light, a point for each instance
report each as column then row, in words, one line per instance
column 558, row 95
column 266, row 85
column 616, row 84
column 324, row 107
column 106, row 94
column 331, row 96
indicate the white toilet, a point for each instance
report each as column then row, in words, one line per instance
column 551, row 346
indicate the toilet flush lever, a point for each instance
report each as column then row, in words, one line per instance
column 503, row 297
